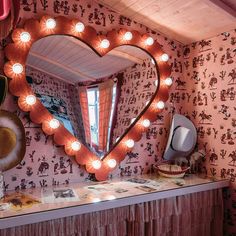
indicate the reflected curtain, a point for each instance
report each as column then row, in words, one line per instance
column 195, row 214
column 105, row 105
column 119, row 83
column 83, row 99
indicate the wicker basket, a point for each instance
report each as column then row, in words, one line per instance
column 162, row 170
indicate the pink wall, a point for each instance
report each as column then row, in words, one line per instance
column 204, row 90
column 207, row 94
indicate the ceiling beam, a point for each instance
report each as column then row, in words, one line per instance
column 223, row 7
column 113, row 52
column 66, row 68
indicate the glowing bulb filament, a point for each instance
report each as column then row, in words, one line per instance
column 25, row 37
column 160, row 105
column 17, row 68
column 146, row 123
column 164, row 57
column 76, row 146
column 51, row 23
column 128, row 36
column 168, row 81
column 130, row 143
column 149, row 41
column 79, row 27
column 111, row 163
column 105, row 43
column 54, row 123
column 96, row 164
column 30, row 100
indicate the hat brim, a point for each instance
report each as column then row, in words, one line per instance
column 10, row 120
column 179, row 121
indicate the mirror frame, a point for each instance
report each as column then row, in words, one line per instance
column 17, row 53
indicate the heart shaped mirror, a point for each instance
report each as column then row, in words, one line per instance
column 88, row 90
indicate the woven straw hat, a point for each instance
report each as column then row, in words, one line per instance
column 12, row 140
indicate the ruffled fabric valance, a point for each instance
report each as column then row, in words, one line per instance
column 192, row 214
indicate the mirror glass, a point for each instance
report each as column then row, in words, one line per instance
column 96, row 98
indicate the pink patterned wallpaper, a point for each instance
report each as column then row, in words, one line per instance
column 204, row 90
column 206, row 94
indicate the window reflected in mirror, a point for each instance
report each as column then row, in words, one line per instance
column 100, row 138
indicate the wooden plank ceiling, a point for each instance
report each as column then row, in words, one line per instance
column 186, row 21
column 72, row 61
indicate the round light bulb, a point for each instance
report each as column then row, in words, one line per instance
column 160, row 105
column 111, row 163
column 51, row 23
column 146, row 123
column 128, row 36
column 54, row 123
column 105, row 43
column 30, row 100
column 156, row 82
column 149, row 41
column 17, row 68
column 96, row 164
column 164, row 57
column 76, row 146
column 25, row 37
column 168, row 81
column 79, row 27
column 130, row 143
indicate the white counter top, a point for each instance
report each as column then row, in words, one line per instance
column 75, row 199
